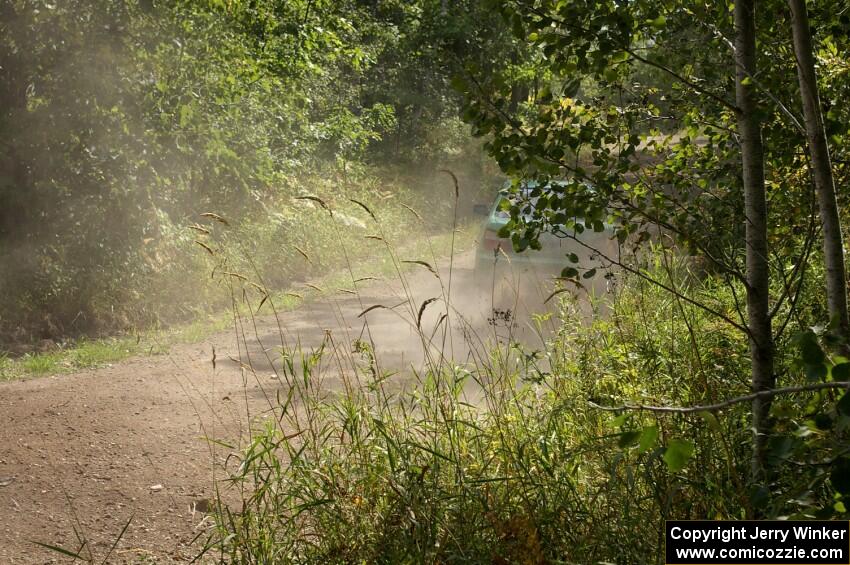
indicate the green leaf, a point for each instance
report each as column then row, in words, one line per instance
column 569, row 273
column 629, row 438
column 759, row 496
column 816, row 372
column 185, row 115
column 840, row 476
column 781, row 447
column 712, row 422
column 843, row 405
column 841, row 372
column 571, row 88
column 648, row 437
column 658, row 22
column 810, row 349
column 621, row 56
column 58, row 549
column 589, row 274
column 677, row 454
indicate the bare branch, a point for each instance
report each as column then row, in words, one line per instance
column 668, row 288
column 762, row 394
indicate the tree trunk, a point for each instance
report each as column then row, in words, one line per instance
column 833, row 244
column 519, row 90
column 755, row 205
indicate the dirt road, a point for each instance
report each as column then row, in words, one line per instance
column 88, row 452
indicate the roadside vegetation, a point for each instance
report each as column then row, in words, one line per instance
column 529, row 450
column 256, row 145
column 711, row 385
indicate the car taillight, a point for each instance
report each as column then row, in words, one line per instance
column 492, row 242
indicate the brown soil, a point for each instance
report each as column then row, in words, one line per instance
column 93, row 450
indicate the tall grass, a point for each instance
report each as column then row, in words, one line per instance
column 502, row 456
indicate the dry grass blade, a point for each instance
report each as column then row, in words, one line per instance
column 423, row 264
column 554, row 294
column 235, row 275
column 314, row 287
column 454, row 179
column 561, row 290
column 347, row 291
column 443, row 318
column 199, row 228
column 362, row 279
column 412, row 211
column 205, row 246
column 370, row 308
column 422, row 310
column 260, row 305
column 372, row 236
column 118, row 539
column 368, row 211
column 57, row 549
column 216, row 217
column 317, row 200
column 303, row 254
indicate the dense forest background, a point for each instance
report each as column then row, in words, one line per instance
column 122, row 121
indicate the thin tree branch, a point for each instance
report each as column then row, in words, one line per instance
column 762, row 394
column 683, row 80
column 782, row 107
column 659, row 284
column 697, row 88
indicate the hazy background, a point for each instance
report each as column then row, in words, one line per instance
column 121, row 122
